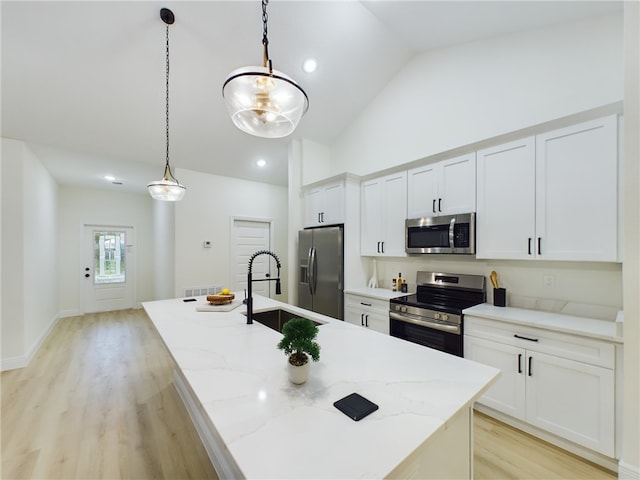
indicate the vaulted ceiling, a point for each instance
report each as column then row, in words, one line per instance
column 83, row 82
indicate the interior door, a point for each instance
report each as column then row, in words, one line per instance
column 109, row 268
column 250, row 236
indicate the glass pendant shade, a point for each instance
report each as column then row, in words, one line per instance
column 167, row 189
column 264, row 103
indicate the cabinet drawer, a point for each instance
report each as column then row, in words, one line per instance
column 572, row 347
column 366, row 303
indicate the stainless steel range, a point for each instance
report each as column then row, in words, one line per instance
column 433, row 315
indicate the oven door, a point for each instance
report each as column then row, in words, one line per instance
column 440, row 336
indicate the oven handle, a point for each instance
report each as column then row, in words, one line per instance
column 443, row 327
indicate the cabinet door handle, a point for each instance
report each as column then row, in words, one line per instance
column 378, row 247
column 439, row 204
column 318, row 217
column 530, row 371
column 366, row 320
column 539, row 247
column 529, row 247
column 433, row 207
column 362, row 319
column 382, row 243
column 525, row 338
column 365, row 304
column 519, row 363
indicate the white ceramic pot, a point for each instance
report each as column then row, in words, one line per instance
column 298, row 375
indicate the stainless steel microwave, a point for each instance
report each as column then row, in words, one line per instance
column 454, row 234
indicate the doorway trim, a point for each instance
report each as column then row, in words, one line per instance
column 132, row 276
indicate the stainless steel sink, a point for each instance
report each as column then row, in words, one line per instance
column 275, row 319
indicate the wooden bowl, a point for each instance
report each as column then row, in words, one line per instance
column 220, row 299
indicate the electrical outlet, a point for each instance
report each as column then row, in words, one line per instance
column 549, row 281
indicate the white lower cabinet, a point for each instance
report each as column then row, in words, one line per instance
column 367, row 312
column 563, row 384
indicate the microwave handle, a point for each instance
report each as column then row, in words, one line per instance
column 452, row 225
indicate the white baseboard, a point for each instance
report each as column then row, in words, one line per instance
column 21, row 361
column 69, row 313
column 627, row 471
column 11, row 363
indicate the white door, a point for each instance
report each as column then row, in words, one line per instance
column 333, row 210
column 573, row 400
column 251, row 236
column 422, row 185
column 394, row 211
column 507, row 394
column 576, row 190
column 457, row 185
column 370, row 218
column 505, row 221
column 108, row 262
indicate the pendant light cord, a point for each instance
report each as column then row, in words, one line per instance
column 167, row 94
column 265, row 40
column 168, row 167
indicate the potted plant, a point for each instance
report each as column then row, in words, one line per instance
column 298, row 342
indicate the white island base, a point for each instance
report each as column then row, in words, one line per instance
column 254, row 423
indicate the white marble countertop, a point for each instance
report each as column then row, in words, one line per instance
column 275, row 429
column 557, row 322
column 378, row 293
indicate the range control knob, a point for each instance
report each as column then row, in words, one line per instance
column 436, row 316
column 397, row 308
column 403, row 309
column 444, row 317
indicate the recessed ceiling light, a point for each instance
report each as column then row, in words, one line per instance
column 310, row 65
column 261, row 163
column 109, row 178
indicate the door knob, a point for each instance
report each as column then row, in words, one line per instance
column 86, row 269
column 87, row 275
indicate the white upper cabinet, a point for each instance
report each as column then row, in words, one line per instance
column 505, row 215
column 324, row 205
column 551, row 197
column 577, row 192
column 444, row 188
column 383, row 212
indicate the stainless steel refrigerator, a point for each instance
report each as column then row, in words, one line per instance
column 321, row 261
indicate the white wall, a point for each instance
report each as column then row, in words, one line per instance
column 598, row 285
column 80, row 206
column 29, row 253
column 630, row 464
column 457, row 96
column 205, row 214
column 316, row 161
column 163, row 248
column 40, row 214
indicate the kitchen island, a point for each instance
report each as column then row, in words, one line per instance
column 254, row 423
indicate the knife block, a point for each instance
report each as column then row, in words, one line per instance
column 500, row 297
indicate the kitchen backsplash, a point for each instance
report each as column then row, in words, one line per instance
column 591, row 290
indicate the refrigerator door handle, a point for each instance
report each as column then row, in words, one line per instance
column 312, row 270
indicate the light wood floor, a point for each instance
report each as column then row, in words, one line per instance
column 97, row 402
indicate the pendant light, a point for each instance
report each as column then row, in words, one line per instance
column 169, row 188
column 262, row 101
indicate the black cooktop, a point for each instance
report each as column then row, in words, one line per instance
column 438, row 303
column 445, row 292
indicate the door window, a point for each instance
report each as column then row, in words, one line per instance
column 109, row 257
